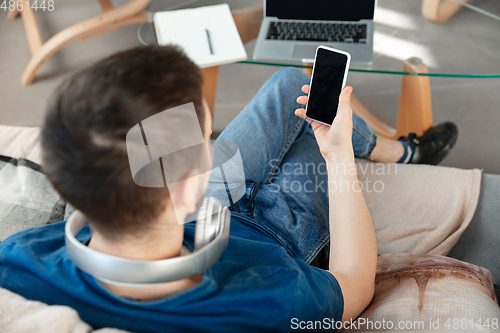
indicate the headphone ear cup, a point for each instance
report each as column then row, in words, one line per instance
column 208, row 222
column 199, row 229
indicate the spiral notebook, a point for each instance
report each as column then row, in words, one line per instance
column 208, row 35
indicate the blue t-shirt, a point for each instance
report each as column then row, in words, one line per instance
column 255, row 286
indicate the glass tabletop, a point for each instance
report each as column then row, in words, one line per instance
column 467, row 46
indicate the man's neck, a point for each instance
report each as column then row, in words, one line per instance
column 154, row 245
column 159, row 244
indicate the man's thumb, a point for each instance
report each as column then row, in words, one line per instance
column 345, row 100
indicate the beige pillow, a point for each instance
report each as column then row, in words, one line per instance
column 418, row 208
column 19, row 315
column 430, row 292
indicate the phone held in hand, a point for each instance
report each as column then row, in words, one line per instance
column 328, row 79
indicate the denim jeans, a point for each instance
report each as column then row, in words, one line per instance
column 287, row 191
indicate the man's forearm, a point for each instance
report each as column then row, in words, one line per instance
column 353, row 249
column 351, row 229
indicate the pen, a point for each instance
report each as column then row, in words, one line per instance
column 209, row 42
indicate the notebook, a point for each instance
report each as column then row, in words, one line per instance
column 208, row 35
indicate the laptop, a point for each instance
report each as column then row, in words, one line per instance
column 292, row 30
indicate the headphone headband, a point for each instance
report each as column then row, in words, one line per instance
column 129, row 272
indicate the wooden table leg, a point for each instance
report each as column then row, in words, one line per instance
column 415, row 108
column 210, row 75
column 248, row 21
column 308, row 71
column 439, row 11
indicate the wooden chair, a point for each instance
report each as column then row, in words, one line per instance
column 415, row 109
column 111, row 18
column 440, row 11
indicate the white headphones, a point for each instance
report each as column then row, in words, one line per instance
column 210, row 240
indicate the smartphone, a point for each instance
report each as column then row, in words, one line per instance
column 328, row 79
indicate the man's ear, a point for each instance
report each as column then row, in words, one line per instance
column 184, row 196
column 209, row 122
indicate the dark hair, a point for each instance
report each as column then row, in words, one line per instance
column 88, row 117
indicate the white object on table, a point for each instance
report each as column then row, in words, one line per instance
column 188, row 29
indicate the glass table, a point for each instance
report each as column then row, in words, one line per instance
column 405, row 43
column 401, row 33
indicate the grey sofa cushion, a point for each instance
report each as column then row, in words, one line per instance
column 27, row 199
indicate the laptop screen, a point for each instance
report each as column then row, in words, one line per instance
column 334, row 10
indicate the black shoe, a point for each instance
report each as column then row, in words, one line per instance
column 434, row 145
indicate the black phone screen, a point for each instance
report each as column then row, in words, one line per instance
column 326, row 85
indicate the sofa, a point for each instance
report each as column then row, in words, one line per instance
column 421, row 214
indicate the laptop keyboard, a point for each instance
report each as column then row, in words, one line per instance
column 318, row 32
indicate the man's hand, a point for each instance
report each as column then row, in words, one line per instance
column 335, row 138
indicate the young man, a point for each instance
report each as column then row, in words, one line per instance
column 263, row 281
